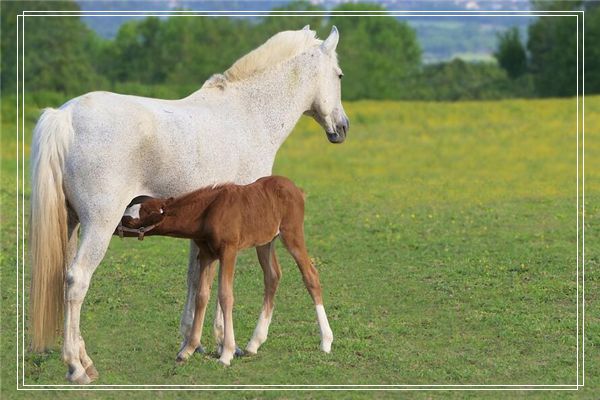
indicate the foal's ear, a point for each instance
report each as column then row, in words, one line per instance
column 166, row 203
column 329, row 45
column 164, row 207
column 306, row 28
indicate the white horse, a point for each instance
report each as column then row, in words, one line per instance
column 98, row 151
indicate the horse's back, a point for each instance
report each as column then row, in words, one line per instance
column 148, row 144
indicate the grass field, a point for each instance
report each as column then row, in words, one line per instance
column 445, row 236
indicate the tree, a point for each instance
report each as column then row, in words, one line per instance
column 553, row 46
column 136, row 53
column 377, row 54
column 273, row 23
column 58, row 50
column 592, row 48
column 511, row 53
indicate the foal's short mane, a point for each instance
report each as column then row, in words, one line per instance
column 280, row 47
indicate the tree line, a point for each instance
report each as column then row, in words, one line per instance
column 381, row 57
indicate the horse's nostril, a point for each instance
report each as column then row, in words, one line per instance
column 343, row 128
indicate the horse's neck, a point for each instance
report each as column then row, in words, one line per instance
column 280, row 97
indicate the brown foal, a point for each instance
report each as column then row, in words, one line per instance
column 222, row 221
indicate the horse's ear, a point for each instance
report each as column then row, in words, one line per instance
column 306, row 28
column 331, row 42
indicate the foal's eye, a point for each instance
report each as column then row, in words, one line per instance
column 340, row 76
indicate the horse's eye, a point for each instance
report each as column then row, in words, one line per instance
column 340, row 76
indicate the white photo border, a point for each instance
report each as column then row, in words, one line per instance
column 20, row 281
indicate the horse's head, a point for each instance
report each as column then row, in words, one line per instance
column 327, row 107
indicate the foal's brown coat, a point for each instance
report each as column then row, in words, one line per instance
column 223, row 220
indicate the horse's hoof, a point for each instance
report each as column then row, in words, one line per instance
column 225, row 363
column 82, row 379
column 238, row 352
column 180, row 359
column 92, row 372
column 200, row 350
column 326, row 347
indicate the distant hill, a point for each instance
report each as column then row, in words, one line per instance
column 441, row 38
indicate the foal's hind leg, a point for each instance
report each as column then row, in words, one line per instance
column 293, row 239
column 272, row 275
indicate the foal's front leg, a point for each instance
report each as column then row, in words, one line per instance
column 226, row 272
column 205, row 279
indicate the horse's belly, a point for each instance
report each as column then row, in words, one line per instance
column 181, row 167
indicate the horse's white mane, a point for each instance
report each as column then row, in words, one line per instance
column 280, row 47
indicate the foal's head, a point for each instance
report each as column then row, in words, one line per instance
column 327, row 107
column 153, row 211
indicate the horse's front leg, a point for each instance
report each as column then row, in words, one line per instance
column 187, row 317
column 206, row 276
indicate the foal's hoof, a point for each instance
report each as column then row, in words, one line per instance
column 200, row 350
column 180, row 359
column 92, row 372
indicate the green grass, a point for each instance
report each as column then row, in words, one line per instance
column 445, row 236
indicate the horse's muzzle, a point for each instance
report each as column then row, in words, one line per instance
column 341, row 130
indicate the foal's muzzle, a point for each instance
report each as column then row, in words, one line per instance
column 341, row 130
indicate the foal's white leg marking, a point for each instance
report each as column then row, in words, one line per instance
column 326, row 333
column 133, row 211
column 260, row 332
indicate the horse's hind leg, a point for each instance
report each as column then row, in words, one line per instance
column 206, row 276
column 187, row 317
column 218, row 329
column 94, row 242
column 272, row 275
column 73, row 236
column 293, row 239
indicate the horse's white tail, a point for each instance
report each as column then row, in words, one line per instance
column 48, row 226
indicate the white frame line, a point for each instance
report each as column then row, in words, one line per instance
column 21, row 19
